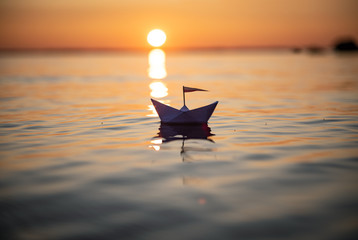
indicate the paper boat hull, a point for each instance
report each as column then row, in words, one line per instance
column 171, row 115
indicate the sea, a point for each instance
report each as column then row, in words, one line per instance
column 83, row 154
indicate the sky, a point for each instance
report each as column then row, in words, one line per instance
column 187, row 23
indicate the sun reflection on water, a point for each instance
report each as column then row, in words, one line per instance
column 157, row 72
column 156, row 144
column 156, row 59
column 159, row 90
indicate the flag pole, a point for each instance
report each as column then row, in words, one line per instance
column 183, row 96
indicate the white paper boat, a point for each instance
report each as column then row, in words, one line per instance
column 172, row 115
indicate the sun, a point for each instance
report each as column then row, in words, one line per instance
column 156, row 38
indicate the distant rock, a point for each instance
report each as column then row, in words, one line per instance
column 296, row 50
column 315, row 49
column 345, row 45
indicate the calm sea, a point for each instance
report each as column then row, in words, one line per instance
column 83, row 154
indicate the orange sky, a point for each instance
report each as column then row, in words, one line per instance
column 188, row 23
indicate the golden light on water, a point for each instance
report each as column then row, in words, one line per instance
column 159, row 90
column 153, row 113
column 156, row 59
column 156, row 38
column 156, row 148
column 156, row 69
column 156, row 143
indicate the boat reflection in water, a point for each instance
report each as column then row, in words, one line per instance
column 197, row 134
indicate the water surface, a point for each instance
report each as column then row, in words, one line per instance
column 84, row 156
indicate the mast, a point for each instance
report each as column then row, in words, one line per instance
column 183, row 96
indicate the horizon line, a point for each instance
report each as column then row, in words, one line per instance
column 146, row 49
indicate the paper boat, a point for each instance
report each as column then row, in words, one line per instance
column 170, row 115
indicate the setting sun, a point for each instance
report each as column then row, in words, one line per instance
column 156, row 38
